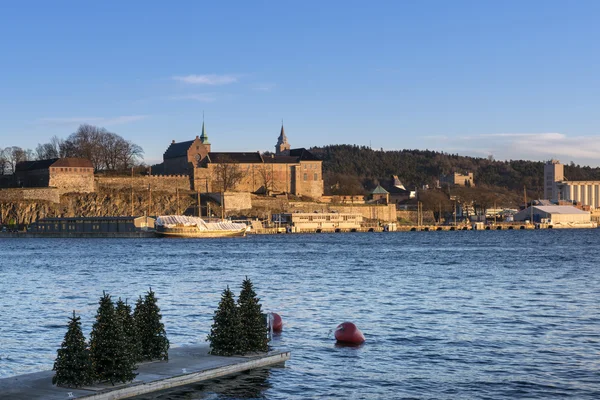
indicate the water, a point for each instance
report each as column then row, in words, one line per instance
column 487, row 314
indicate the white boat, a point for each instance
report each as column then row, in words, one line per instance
column 195, row 227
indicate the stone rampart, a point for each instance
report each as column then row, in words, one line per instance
column 158, row 183
column 34, row 194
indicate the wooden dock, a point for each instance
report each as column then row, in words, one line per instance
column 186, row 365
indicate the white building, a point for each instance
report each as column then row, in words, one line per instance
column 554, row 172
column 311, row 221
column 585, row 192
column 557, row 187
column 557, row 216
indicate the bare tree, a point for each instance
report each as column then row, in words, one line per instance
column 106, row 150
column 15, row 155
column 228, row 174
column 266, row 177
column 4, row 165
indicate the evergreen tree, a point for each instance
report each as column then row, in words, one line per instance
column 123, row 313
column 154, row 344
column 109, row 346
column 224, row 337
column 73, row 365
column 254, row 328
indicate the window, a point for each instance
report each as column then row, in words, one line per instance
column 305, row 177
column 304, row 166
column 316, row 177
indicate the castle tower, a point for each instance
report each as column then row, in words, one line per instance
column 204, row 138
column 282, row 147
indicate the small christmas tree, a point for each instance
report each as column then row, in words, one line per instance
column 123, row 313
column 73, row 365
column 109, row 346
column 154, row 344
column 225, row 333
column 139, row 317
column 254, row 329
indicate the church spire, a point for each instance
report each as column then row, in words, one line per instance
column 282, row 147
column 203, row 136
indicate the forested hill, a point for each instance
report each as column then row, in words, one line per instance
column 349, row 166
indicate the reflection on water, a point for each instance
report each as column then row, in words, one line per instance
column 247, row 385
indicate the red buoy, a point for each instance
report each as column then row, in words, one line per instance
column 277, row 322
column 347, row 332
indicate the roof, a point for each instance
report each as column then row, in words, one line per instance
column 379, row 190
column 280, row 160
column 560, row 210
column 245, row 158
column 54, row 162
column 88, row 219
column 397, row 190
column 178, row 149
column 73, row 162
column 32, row 165
column 303, row 154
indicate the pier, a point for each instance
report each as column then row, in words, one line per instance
column 186, row 365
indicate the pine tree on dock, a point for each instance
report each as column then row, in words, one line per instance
column 125, row 317
column 254, row 327
column 224, row 337
column 154, row 344
column 73, row 365
column 109, row 346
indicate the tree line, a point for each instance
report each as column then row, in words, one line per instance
column 351, row 169
column 106, row 150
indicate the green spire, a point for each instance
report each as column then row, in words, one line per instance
column 203, row 136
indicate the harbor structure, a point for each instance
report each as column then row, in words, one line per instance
column 554, row 172
column 559, row 188
column 556, row 216
column 88, row 226
column 585, row 192
column 187, row 365
column 304, row 222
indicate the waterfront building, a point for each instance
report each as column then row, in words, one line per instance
column 312, row 221
column 585, row 192
column 558, row 188
column 554, row 215
column 553, row 173
column 91, row 225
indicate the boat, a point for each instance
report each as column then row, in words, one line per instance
column 195, row 227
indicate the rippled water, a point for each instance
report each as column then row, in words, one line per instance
column 488, row 314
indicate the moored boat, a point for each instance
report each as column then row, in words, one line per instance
column 195, row 227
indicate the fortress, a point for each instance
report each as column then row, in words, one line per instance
column 293, row 171
column 189, row 165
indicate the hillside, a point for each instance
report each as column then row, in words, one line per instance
column 355, row 169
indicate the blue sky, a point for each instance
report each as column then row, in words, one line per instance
column 514, row 79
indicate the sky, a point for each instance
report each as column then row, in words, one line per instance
column 509, row 79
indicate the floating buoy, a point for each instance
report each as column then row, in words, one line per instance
column 347, row 332
column 277, row 322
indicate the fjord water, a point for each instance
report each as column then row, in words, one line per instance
column 478, row 314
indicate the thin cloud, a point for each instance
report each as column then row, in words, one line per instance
column 264, row 87
column 209, row 79
column 104, row 121
column 202, row 97
column 529, row 146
